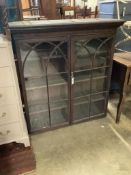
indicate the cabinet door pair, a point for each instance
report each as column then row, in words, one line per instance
column 65, row 82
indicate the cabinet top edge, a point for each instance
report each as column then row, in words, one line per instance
column 66, row 23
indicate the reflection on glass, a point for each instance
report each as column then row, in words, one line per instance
column 39, row 121
column 98, row 49
column 58, row 85
column 90, row 72
column 46, row 72
column 99, row 85
column 98, row 103
column 45, row 69
column 82, row 55
column 81, row 107
column 82, row 75
column 81, row 100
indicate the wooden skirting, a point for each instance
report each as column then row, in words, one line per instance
column 16, row 159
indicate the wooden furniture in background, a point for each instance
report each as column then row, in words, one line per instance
column 65, row 69
column 96, row 11
column 122, row 75
column 70, row 10
column 86, row 12
column 30, row 7
column 12, row 122
column 83, row 13
column 48, row 8
column 25, row 6
column 65, row 11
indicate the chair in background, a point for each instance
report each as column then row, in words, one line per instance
column 87, row 12
column 96, row 11
column 83, row 13
column 94, row 14
column 69, row 12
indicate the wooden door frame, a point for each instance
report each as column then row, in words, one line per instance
column 22, row 81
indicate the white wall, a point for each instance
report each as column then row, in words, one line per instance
column 90, row 3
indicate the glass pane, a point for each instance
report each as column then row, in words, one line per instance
column 81, row 107
column 101, row 72
column 45, row 67
column 81, row 99
column 82, row 55
column 82, row 75
column 81, row 88
column 91, row 59
column 34, row 72
column 100, row 80
column 98, row 102
column 37, row 100
column 99, row 84
column 58, row 103
column 98, row 49
column 39, row 121
column 92, row 52
column 57, row 71
column 59, row 116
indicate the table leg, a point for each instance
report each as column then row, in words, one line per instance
column 120, row 106
column 122, row 96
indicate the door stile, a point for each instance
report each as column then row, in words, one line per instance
column 72, row 81
column 69, row 78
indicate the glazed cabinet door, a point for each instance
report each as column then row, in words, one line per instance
column 90, row 70
column 45, row 71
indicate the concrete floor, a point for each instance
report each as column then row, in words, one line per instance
column 97, row 147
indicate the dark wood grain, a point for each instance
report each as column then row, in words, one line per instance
column 16, row 159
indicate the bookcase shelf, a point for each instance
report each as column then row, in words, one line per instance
column 47, row 71
column 64, row 68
